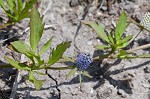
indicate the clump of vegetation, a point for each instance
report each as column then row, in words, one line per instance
column 16, row 10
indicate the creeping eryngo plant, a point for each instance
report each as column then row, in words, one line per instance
column 115, row 44
column 16, row 10
column 30, row 51
column 115, row 41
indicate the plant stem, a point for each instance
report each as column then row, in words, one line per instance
column 80, row 78
column 4, row 65
column 135, row 36
column 138, row 24
column 5, row 25
column 58, row 68
column 64, row 60
column 68, row 58
column 98, row 58
column 139, row 56
column 138, row 48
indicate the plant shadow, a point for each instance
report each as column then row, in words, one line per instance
column 7, row 76
column 28, row 96
column 9, row 34
column 143, row 42
column 4, row 94
column 102, row 73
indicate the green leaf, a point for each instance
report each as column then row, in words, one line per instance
column 40, row 73
column 122, row 54
column 66, row 58
column 20, row 6
column 36, row 28
column 25, row 11
column 58, row 52
column 46, row 46
column 121, row 26
column 9, row 14
column 11, row 4
column 125, row 55
column 102, row 47
column 86, row 74
column 111, row 38
column 126, row 39
column 15, row 11
column 98, row 29
column 21, row 46
column 144, row 56
column 40, row 62
column 2, row 4
column 123, row 43
column 24, row 15
column 37, row 83
column 18, row 65
column 72, row 71
column 29, row 5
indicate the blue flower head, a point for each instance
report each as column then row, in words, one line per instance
column 83, row 61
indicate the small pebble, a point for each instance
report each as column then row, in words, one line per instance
column 73, row 3
column 122, row 93
column 98, row 14
column 146, row 85
column 147, row 69
column 89, row 42
column 90, row 15
column 104, row 8
column 98, row 41
column 92, row 9
column 91, row 91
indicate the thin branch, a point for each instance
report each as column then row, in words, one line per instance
column 138, row 24
column 4, row 65
column 135, row 36
column 5, row 25
column 48, row 7
column 15, row 85
column 138, row 48
column 17, row 79
column 57, row 68
column 24, row 31
column 102, row 2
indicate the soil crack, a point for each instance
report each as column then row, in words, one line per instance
column 56, row 82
